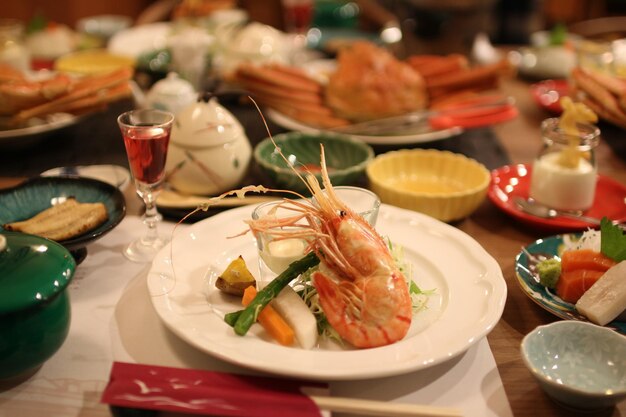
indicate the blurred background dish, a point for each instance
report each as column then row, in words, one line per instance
column 254, row 42
column 35, row 309
column 103, row 26
column 441, row 184
column 93, row 61
column 37, row 194
column 35, row 130
column 548, row 93
column 428, row 135
column 580, row 365
column 346, row 158
column 546, row 62
column 138, row 40
column 115, row 175
column 47, row 41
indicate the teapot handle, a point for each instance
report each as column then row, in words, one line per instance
column 205, row 96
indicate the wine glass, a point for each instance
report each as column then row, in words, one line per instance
column 146, row 135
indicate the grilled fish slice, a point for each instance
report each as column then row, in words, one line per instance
column 63, row 221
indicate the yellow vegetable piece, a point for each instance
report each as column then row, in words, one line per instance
column 236, row 278
column 573, row 113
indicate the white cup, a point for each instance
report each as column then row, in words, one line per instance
column 276, row 253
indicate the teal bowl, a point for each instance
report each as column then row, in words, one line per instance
column 578, row 364
column 39, row 193
column 34, row 304
column 346, row 158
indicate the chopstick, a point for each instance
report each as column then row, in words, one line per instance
column 289, row 397
column 380, row 408
column 173, row 199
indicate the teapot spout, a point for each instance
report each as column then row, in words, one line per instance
column 139, row 97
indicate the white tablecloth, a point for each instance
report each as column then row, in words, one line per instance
column 113, row 320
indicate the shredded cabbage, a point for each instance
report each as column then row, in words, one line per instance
column 590, row 239
column 419, row 297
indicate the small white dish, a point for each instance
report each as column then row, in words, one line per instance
column 580, row 365
column 141, row 39
column 546, row 62
column 113, row 174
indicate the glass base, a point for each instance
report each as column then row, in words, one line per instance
column 142, row 251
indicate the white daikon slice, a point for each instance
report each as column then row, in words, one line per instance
column 606, row 299
column 296, row 313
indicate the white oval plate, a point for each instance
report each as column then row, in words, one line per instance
column 469, row 299
column 420, row 137
column 48, row 125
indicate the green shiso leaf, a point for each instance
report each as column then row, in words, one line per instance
column 612, row 240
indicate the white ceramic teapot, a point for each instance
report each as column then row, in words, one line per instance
column 209, row 151
column 171, row 94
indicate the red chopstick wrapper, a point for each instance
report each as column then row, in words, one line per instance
column 192, row 391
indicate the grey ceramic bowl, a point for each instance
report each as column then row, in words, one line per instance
column 580, row 365
column 346, row 158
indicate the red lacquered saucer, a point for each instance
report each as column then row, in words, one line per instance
column 514, row 180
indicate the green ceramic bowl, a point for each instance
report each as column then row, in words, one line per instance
column 346, row 158
column 34, row 304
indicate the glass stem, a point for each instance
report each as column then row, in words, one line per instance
column 151, row 219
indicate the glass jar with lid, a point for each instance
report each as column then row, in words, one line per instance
column 564, row 172
column 12, row 48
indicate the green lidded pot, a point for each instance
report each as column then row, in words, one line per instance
column 34, row 304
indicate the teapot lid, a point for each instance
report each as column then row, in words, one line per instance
column 205, row 123
column 32, row 270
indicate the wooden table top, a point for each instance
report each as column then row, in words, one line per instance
column 503, row 238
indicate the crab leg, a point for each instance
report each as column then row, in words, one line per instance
column 598, row 93
column 430, row 66
column 478, row 77
column 87, row 87
column 604, row 113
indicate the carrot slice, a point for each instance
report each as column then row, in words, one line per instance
column 271, row 321
column 573, row 284
column 585, row 259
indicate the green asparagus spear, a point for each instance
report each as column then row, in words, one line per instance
column 243, row 319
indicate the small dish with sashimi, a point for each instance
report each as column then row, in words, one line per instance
column 578, row 276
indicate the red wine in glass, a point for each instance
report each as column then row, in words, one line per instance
column 298, row 15
column 147, row 151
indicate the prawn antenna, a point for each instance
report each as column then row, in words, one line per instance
column 289, row 163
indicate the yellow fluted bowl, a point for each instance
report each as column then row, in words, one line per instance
column 441, row 184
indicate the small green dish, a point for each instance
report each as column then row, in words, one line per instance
column 34, row 304
column 346, row 158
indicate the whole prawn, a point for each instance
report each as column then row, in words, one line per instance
column 364, row 295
